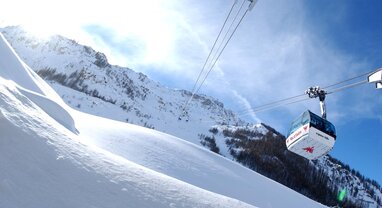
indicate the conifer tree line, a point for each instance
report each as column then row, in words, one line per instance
column 268, row 155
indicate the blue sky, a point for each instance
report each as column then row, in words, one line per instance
column 354, row 28
column 281, row 49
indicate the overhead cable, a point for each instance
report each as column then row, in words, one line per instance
column 216, row 40
column 220, row 53
column 283, row 102
column 215, row 59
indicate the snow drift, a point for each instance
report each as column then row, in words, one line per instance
column 44, row 165
column 32, row 86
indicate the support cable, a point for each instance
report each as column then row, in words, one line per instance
column 214, row 62
column 280, row 103
column 213, row 46
column 225, row 45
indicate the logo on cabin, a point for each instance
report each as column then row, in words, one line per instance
column 309, row 149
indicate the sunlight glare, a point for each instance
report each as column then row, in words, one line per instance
column 149, row 23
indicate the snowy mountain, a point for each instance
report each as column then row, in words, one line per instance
column 114, row 92
column 54, row 156
column 86, row 81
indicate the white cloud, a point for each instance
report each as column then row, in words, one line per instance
column 246, row 105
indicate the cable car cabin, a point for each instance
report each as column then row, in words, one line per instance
column 311, row 136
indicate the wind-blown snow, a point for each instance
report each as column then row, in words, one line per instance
column 188, row 162
column 109, row 163
column 13, row 68
column 32, row 86
column 44, row 165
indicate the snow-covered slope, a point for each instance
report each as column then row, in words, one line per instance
column 109, row 163
column 32, row 85
column 188, row 162
column 44, row 165
column 360, row 190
